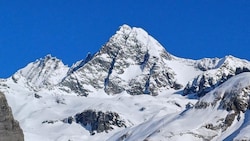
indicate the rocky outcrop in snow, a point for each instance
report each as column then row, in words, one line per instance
column 9, row 128
column 232, row 96
column 97, row 121
column 207, row 63
column 216, row 74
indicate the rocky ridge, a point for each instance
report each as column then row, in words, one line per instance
column 43, row 73
column 221, row 71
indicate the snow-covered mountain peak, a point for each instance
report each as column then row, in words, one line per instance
column 43, row 72
column 134, row 37
column 131, row 90
column 129, row 50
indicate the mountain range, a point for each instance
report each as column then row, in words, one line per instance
column 132, row 89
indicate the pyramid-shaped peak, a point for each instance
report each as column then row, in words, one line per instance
column 135, row 39
column 130, row 50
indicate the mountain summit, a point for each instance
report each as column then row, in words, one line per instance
column 132, row 89
column 129, row 50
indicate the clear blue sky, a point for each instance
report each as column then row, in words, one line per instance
column 68, row 29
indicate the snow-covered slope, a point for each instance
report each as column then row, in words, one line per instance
column 132, row 89
column 219, row 115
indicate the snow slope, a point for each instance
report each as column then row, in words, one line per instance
column 31, row 111
column 209, row 122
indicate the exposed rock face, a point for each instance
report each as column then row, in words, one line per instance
column 216, row 73
column 9, row 128
column 97, row 121
column 131, row 61
column 79, row 64
column 235, row 99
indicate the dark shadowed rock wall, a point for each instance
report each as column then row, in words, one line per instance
column 9, row 128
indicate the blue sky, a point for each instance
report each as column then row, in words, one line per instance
column 69, row 29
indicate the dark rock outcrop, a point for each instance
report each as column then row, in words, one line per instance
column 9, row 128
column 237, row 100
column 97, row 121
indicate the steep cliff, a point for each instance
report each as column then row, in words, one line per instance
column 9, row 128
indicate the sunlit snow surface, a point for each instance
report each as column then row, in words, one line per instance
column 165, row 116
column 31, row 111
column 190, row 124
